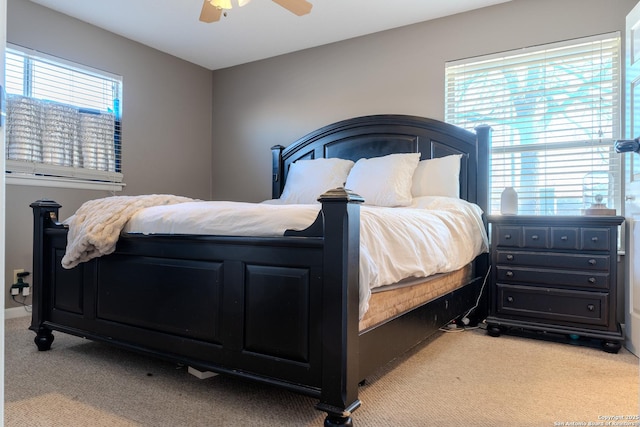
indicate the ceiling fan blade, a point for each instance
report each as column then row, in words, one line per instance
column 210, row 13
column 298, row 7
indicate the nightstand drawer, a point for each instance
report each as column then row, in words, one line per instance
column 509, row 236
column 553, row 260
column 564, row 237
column 595, row 239
column 549, row 277
column 536, row 237
column 553, row 304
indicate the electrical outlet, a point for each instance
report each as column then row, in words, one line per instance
column 15, row 274
column 19, row 286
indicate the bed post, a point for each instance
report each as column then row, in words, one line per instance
column 277, row 175
column 483, row 199
column 340, row 304
column 44, row 212
column 483, row 153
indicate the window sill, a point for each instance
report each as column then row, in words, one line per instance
column 46, row 175
column 59, row 182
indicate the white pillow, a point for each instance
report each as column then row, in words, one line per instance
column 308, row 179
column 384, row 181
column 437, row 177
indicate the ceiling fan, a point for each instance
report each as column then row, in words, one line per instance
column 212, row 10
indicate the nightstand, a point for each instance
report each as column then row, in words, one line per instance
column 555, row 275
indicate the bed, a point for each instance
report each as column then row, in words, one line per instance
column 282, row 310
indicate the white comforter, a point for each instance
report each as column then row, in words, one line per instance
column 434, row 235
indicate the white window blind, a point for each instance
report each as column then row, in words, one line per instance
column 555, row 112
column 63, row 122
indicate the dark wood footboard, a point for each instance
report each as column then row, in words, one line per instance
column 282, row 311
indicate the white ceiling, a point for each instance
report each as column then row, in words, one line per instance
column 261, row 29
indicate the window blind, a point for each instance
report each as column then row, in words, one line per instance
column 63, row 119
column 555, row 112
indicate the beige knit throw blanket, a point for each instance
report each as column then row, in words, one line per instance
column 95, row 227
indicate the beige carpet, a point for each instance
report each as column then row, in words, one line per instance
column 54, row 409
column 456, row 379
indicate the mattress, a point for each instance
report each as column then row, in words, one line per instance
column 388, row 302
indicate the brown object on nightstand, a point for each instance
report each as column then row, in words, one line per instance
column 599, row 210
column 555, row 275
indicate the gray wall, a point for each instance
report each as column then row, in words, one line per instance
column 166, row 125
column 278, row 100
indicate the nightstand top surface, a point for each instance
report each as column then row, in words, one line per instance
column 557, row 220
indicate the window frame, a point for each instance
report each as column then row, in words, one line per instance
column 534, row 198
column 33, row 173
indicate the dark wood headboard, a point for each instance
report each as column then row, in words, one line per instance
column 379, row 135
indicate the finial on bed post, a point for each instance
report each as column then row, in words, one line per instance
column 336, row 195
column 277, row 174
column 45, row 212
column 340, row 194
column 340, row 308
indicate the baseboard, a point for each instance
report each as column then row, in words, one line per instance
column 13, row 312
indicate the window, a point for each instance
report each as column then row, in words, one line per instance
column 555, row 113
column 63, row 123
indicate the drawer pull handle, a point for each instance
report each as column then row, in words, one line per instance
column 564, row 238
column 507, row 236
column 591, row 307
column 592, row 261
column 594, row 239
column 535, row 237
column 509, row 299
column 510, row 257
column 592, row 280
column 509, row 273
